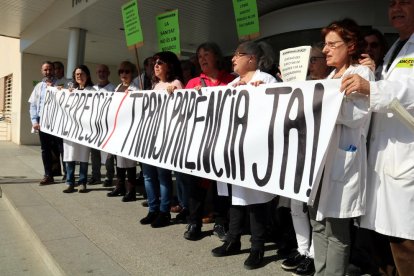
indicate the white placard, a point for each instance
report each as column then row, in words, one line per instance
column 294, row 63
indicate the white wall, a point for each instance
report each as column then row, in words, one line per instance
column 10, row 63
column 320, row 14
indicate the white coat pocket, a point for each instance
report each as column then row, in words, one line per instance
column 345, row 165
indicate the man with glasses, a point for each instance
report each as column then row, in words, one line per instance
column 390, row 178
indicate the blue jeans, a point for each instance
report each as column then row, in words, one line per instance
column 183, row 190
column 158, row 184
column 70, row 171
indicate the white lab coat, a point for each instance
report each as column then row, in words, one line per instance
column 342, row 194
column 73, row 151
column 390, row 194
column 122, row 162
column 241, row 195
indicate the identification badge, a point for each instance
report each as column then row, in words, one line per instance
column 405, row 63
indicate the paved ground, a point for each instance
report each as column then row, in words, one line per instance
column 90, row 234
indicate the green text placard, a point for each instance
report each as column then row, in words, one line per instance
column 247, row 20
column 132, row 25
column 168, row 31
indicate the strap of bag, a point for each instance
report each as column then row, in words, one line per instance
column 203, row 82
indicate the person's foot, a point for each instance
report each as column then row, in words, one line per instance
column 219, row 230
column 144, row 203
column 255, row 259
column 285, row 252
column 193, row 232
column 181, row 217
column 293, row 261
column 46, row 180
column 227, row 249
column 305, row 268
column 151, row 216
column 163, row 219
column 69, row 189
column 83, row 188
column 94, row 181
column 108, row 183
column 208, row 219
column 64, row 177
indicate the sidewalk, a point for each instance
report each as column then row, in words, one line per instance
column 91, row 234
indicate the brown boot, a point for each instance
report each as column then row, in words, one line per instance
column 131, row 194
column 119, row 189
column 83, row 188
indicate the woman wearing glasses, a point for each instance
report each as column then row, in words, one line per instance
column 74, row 152
column 341, row 195
column 124, row 166
column 167, row 75
column 249, row 62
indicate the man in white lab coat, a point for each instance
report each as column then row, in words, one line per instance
column 390, row 178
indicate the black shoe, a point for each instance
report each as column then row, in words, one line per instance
column 193, row 232
column 305, row 268
column 219, row 230
column 181, row 217
column 255, row 259
column 107, row 183
column 118, row 191
column 227, row 249
column 94, row 181
column 144, row 203
column 163, row 219
column 129, row 196
column 151, row 216
column 285, row 252
column 46, row 180
column 293, row 261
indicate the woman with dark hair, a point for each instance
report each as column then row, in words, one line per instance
column 210, row 59
column 341, row 195
column 124, row 166
column 250, row 61
column 74, row 152
column 167, row 75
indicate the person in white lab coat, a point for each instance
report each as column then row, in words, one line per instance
column 249, row 62
column 390, row 195
column 74, row 152
column 341, row 194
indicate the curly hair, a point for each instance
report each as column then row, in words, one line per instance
column 350, row 32
column 174, row 71
column 85, row 70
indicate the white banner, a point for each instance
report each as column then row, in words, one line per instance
column 271, row 138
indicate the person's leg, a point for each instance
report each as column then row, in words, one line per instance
column 130, row 184
column 403, row 254
column 119, row 189
column 257, row 216
column 320, row 243
column 338, row 232
column 70, row 177
column 46, row 148
column 151, row 183
column 109, row 166
column 83, row 176
column 96, row 166
column 301, row 225
column 59, row 142
column 165, row 180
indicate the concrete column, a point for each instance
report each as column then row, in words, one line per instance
column 76, row 50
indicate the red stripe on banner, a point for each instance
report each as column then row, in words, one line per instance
column 116, row 119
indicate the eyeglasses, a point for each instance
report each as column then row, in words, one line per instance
column 159, row 62
column 313, row 60
column 239, row 54
column 333, row 44
column 122, row 71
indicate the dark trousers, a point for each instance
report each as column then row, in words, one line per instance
column 96, row 164
column 46, row 142
column 403, row 254
column 131, row 173
column 256, row 213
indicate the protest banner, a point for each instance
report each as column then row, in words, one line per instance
column 168, row 31
column 294, row 63
column 271, row 138
column 247, row 19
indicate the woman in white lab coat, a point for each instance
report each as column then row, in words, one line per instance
column 248, row 61
column 74, row 152
column 341, row 194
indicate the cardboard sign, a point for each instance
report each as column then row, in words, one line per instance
column 168, row 31
column 294, row 63
column 247, row 20
column 132, row 24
